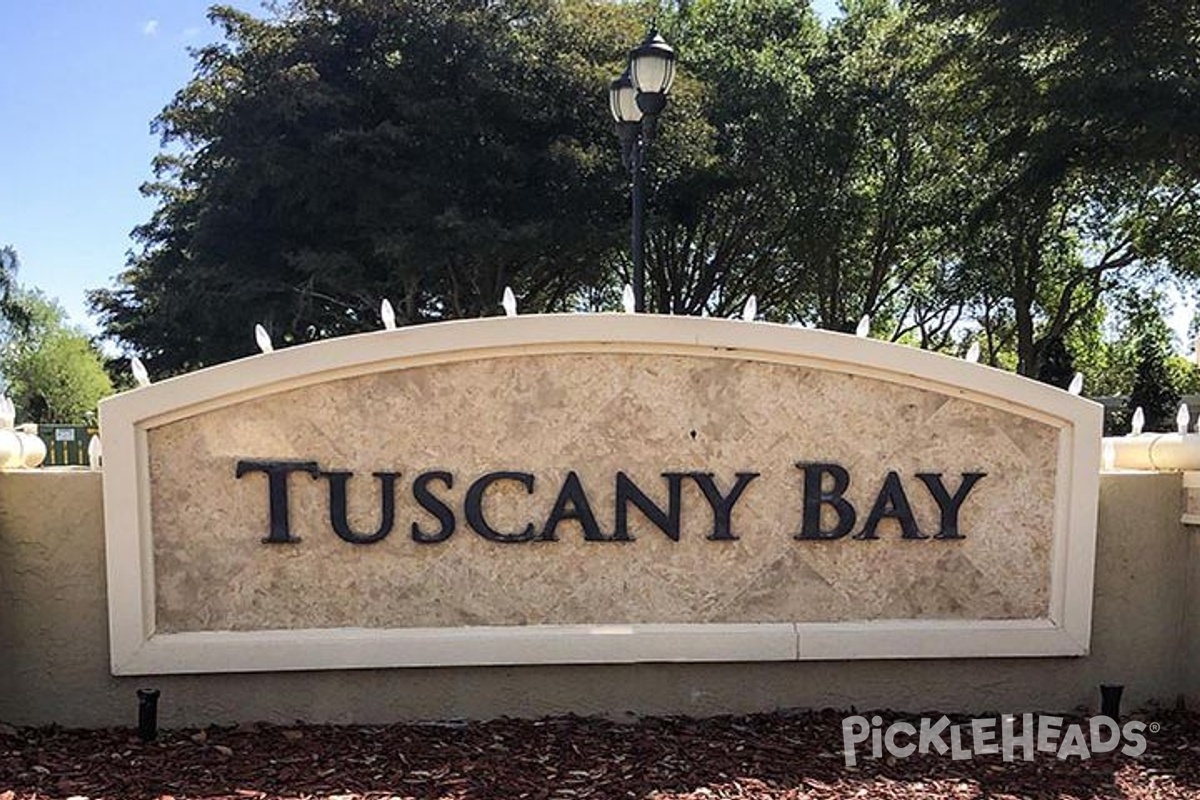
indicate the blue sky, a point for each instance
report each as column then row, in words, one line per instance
column 79, row 85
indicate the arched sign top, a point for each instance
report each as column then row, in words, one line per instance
column 595, row 488
column 494, row 337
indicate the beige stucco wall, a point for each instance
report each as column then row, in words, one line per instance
column 54, row 642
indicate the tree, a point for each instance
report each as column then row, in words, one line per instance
column 1152, row 389
column 885, row 190
column 13, row 314
column 1108, row 83
column 951, row 171
column 1086, row 154
column 52, row 372
column 721, row 204
column 822, row 184
column 341, row 151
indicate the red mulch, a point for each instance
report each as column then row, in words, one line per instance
column 782, row 755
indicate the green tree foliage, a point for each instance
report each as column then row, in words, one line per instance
column 1108, row 83
column 1152, row 389
column 823, row 188
column 882, row 193
column 52, row 372
column 970, row 169
column 723, row 208
column 343, row 151
column 1086, row 141
column 1137, row 363
column 13, row 314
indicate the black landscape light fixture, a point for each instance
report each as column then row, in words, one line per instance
column 636, row 98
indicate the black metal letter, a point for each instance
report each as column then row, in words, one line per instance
column 722, row 506
column 572, row 494
column 891, row 502
column 433, row 505
column 628, row 492
column 815, row 496
column 277, row 493
column 949, row 505
column 474, row 506
column 337, row 506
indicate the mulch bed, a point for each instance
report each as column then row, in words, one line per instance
column 783, row 755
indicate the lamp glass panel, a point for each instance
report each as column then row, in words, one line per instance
column 652, row 72
column 669, row 80
column 624, row 104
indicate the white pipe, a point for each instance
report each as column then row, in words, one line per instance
column 1160, row 452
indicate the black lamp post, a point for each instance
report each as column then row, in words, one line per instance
column 636, row 99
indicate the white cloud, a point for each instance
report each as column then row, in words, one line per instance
column 150, row 28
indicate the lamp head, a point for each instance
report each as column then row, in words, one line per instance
column 622, row 100
column 652, row 65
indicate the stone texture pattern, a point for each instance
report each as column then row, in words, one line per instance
column 597, row 413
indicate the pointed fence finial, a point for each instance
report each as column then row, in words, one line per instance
column 864, row 326
column 750, row 310
column 1138, row 422
column 628, row 301
column 388, row 315
column 509, row 302
column 140, row 376
column 263, row 339
column 1076, row 387
column 973, row 353
column 1183, row 418
column 95, row 453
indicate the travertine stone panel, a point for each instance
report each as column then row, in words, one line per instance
column 597, row 414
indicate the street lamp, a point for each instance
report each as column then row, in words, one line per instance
column 636, row 98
